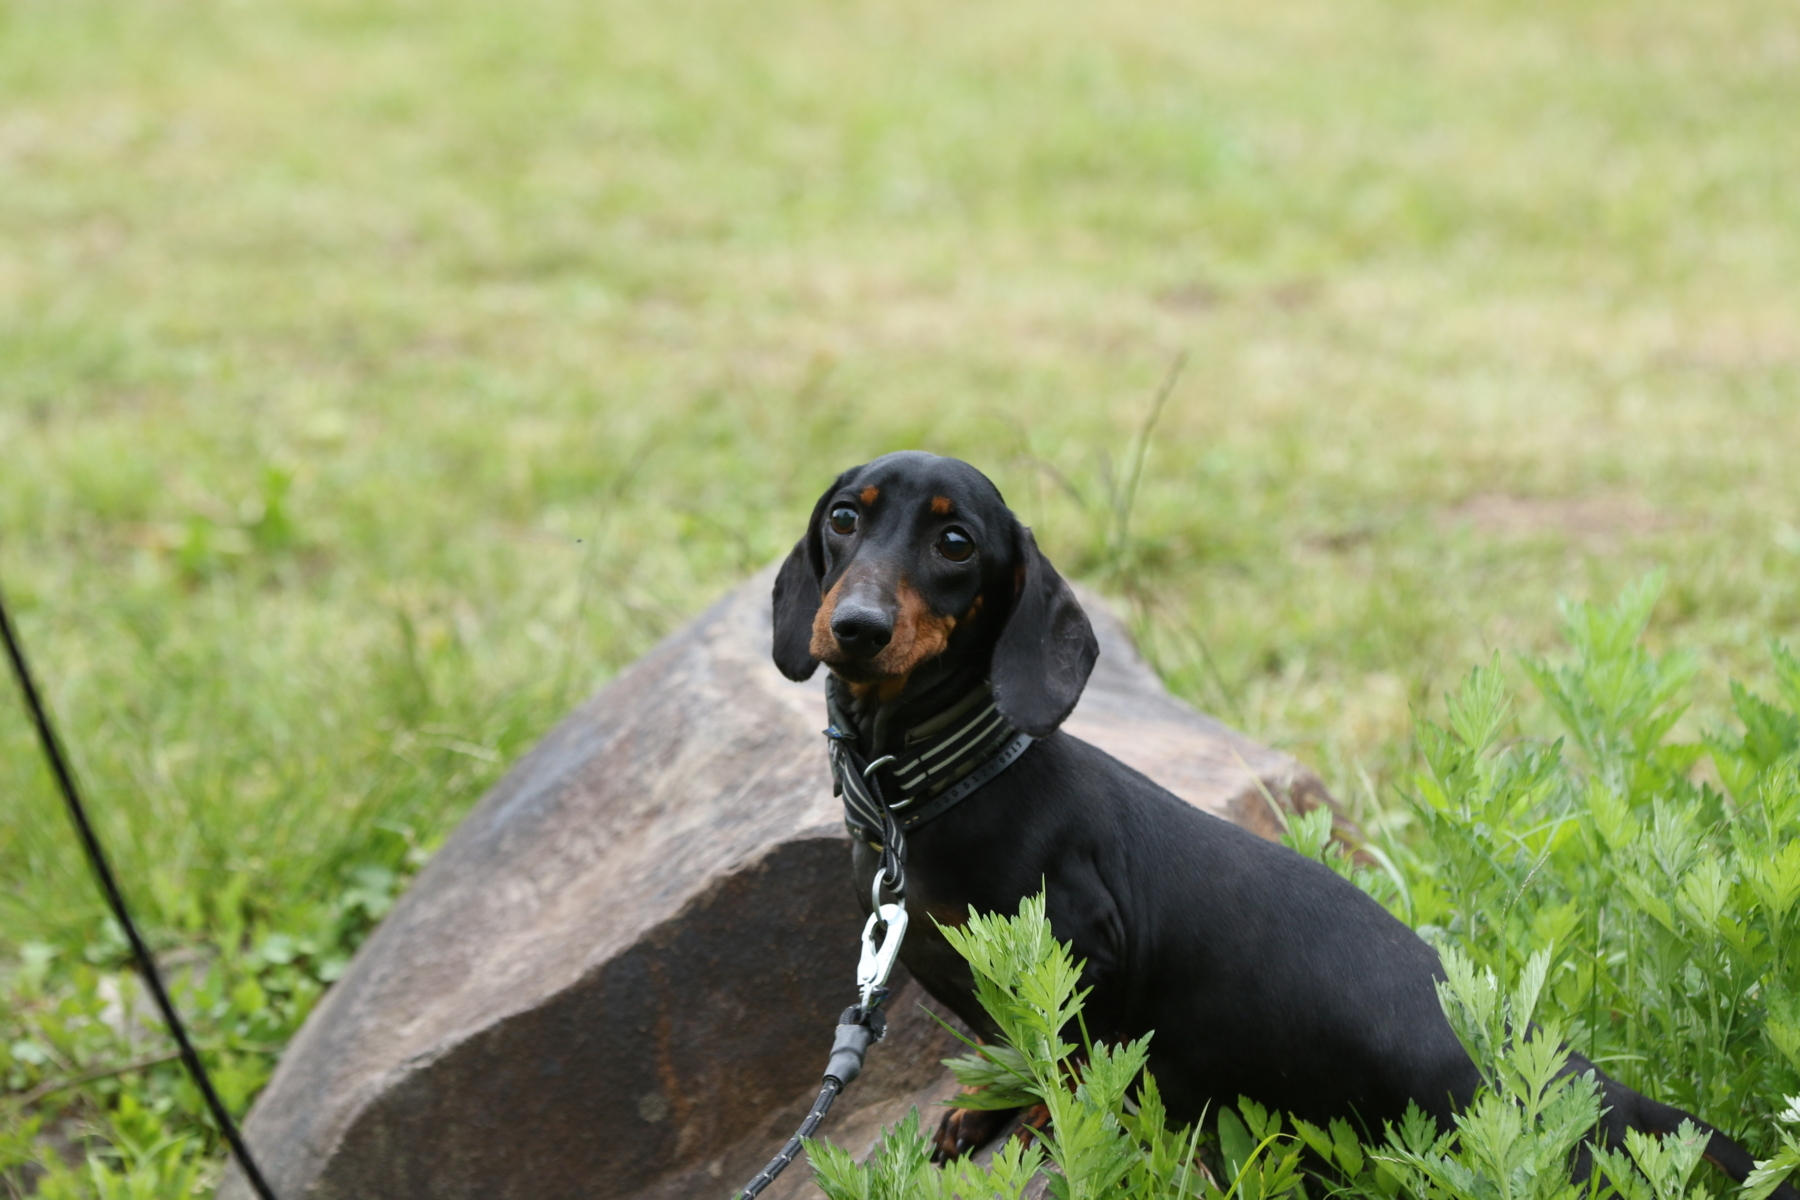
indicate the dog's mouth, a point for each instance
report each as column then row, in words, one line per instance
column 884, row 655
column 853, row 670
column 864, row 677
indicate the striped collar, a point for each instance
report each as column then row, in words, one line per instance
column 939, row 761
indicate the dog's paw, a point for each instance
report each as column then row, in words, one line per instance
column 965, row 1129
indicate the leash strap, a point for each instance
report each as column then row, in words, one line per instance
column 115, row 899
column 865, row 810
column 862, row 809
column 864, row 1023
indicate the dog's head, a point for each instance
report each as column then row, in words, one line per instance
column 912, row 557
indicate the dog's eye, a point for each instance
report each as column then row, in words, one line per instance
column 843, row 519
column 955, row 545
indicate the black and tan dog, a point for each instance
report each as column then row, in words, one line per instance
column 954, row 646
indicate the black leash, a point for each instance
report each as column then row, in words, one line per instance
column 864, row 1022
column 103, row 872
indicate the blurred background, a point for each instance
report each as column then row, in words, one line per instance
column 378, row 377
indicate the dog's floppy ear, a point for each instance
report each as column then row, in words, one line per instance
column 797, row 595
column 1047, row 649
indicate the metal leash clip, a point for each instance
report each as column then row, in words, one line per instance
column 878, row 958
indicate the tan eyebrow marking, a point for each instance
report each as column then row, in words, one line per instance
column 941, row 505
column 869, row 493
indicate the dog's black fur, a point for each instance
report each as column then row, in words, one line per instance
column 1261, row 972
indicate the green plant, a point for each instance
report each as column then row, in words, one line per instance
column 1515, row 1140
column 1097, row 1144
column 1667, row 901
column 1109, row 1134
column 140, row 1160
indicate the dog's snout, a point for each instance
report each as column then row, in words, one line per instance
column 861, row 630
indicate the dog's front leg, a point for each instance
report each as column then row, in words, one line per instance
column 966, row 1129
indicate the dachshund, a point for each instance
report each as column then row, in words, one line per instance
column 954, row 645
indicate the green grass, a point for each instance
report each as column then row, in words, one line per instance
column 376, row 378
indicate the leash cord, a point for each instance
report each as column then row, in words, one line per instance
column 96, row 857
column 789, row 1152
column 857, row 1028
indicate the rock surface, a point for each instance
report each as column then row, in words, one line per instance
column 619, row 977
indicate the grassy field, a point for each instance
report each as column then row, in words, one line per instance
column 376, row 378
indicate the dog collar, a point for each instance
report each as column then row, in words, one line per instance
column 940, row 761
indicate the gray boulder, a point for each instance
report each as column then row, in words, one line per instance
column 619, row 977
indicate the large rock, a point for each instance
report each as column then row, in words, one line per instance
column 619, row 976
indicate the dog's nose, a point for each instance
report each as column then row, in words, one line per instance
column 861, row 631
